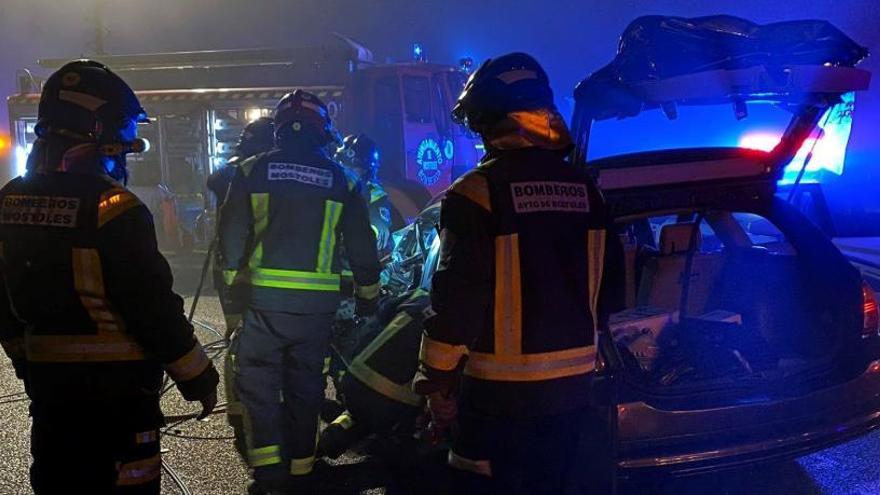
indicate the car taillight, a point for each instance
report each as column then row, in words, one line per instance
column 870, row 311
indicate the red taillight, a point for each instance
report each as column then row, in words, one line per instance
column 870, row 311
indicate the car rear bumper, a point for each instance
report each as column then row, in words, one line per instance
column 681, row 443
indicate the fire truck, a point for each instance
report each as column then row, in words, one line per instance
column 199, row 102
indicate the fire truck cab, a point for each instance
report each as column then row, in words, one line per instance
column 198, row 103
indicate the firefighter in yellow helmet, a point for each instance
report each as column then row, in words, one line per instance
column 87, row 313
column 521, row 289
column 287, row 213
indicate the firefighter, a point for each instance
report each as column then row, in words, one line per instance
column 88, row 315
column 377, row 388
column 360, row 155
column 516, row 297
column 256, row 137
column 279, row 231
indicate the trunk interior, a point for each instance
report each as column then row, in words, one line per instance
column 723, row 308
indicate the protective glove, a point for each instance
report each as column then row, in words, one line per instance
column 365, row 308
column 444, row 410
column 209, row 402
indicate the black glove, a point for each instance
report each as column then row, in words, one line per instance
column 365, row 308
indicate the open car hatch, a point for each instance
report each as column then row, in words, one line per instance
column 733, row 62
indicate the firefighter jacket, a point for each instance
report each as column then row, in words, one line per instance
column 517, row 290
column 280, row 232
column 389, row 361
column 87, row 311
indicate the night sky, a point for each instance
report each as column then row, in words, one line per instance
column 570, row 37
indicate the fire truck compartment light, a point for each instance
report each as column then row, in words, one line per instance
column 21, row 155
column 253, row 114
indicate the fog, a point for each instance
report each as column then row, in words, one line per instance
column 570, row 37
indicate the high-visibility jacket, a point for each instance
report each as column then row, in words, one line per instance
column 87, row 310
column 280, row 229
column 389, row 361
column 517, row 292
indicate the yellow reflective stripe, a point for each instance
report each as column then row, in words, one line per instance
column 456, row 461
column 114, row 203
column 367, row 291
column 376, row 193
column 88, row 280
column 344, row 421
column 531, row 367
column 401, row 320
column 139, row 472
column 264, row 456
column 14, row 348
column 327, row 361
column 260, row 213
column 383, row 385
column 292, row 279
column 229, row 276
column 189, row 366
column 88, row 277
column 595, row 266
column 440, row 355
column 347, row 274
column 474, row 187
column 303, row 466
column 508, row 296
column 327, row 246
column 82, row 348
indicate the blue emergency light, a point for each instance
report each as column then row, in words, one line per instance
column 418, row 52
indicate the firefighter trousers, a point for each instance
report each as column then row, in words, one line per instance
column 367, row 412
column 114, row 449
column 277, row 363
column 514, row 456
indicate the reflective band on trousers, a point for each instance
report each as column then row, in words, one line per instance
column 531, row 367
column 383, row 385
column 375, row 380
column 302, row 467
column 327, row 245
column 189, row 366
column 264, row 456
column 291, row 279
column 139, row 472
column 482, row 467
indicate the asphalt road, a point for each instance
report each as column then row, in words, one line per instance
column 201, row 453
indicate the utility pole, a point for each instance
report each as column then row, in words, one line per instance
column 99, row 27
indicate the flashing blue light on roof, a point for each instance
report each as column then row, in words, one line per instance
column 826, row 153
column 418, row 52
